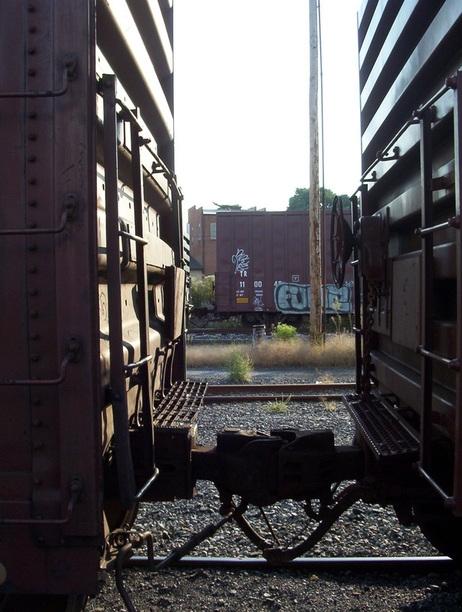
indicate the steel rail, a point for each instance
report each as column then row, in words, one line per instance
column 259, row 393
column 326, row 564
column 242, row 331
column 223, row 399
column 284, row 387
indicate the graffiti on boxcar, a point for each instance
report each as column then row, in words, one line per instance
column 294, row 298
column 241, row 261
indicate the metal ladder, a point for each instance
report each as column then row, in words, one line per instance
column 426, row 349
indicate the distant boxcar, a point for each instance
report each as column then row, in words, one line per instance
column 263, row 266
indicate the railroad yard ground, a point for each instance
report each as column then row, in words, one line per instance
column 363, row 531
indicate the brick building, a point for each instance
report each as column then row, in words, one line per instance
column 202, row 229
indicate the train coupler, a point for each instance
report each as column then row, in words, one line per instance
column 286, row 464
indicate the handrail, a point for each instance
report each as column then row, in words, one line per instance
column 70, row 203
column 381, row 155
column 73, row 349
column 75, row 488
column 69, row 73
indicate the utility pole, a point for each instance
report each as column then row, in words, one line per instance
column 315, row 221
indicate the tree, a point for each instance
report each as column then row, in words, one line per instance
column 227, row 206
column 203, row 292
column 301, row 199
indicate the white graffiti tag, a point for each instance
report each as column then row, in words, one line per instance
column 241, row 261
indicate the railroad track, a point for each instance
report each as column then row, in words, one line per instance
column 274, row 392
column 242, row 331
column 327, row 564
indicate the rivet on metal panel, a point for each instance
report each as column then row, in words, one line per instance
column 32, row 29
column 34, row 335
column 31, row 72
column 33, row 291
column 36, row 400
column 32, row 180
column 31, row 8
column 38, row 422
column 33, row 269
column 32, row 136
column 31, row 50
column 33, row 314
column 35, row 357
column 38, row 445
column 32, row 158
column 32, row 247
column 32, row 203
column 32, row 115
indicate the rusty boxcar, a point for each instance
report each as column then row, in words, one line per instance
column 263, row 269
column 92, row 283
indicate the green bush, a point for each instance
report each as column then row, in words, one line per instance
column 283, row 331
column 240, row 366
column 203, row 292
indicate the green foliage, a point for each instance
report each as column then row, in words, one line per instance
column 301, row 199
column 227, row 206
column 240, row 366
column 203, row 292
column 279, row 406
column 283, row 331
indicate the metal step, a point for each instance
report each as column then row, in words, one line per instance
column 387, row 436
column 179, row 409
column 175, row 434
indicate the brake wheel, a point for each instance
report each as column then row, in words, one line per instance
column 341, row 242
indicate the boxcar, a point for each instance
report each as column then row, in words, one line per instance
column 263, row 269
column 407, row 242
column 92, row 283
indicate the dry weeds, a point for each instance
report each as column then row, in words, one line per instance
column 338, row 350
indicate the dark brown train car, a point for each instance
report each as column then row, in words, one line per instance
column 408, row 242
column 91, row 278
column 263, row 267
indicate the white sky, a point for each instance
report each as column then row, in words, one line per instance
column 241, row 100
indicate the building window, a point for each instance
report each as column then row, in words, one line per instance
column 213, row 231
column 199, row 231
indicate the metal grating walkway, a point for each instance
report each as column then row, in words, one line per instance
column 385, row 434
column 181, row 405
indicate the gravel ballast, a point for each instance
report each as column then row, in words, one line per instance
column 364, row 530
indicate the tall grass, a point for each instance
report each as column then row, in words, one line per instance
column 338, row 350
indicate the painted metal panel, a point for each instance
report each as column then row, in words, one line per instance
column 263, row 263
column 49, row 163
